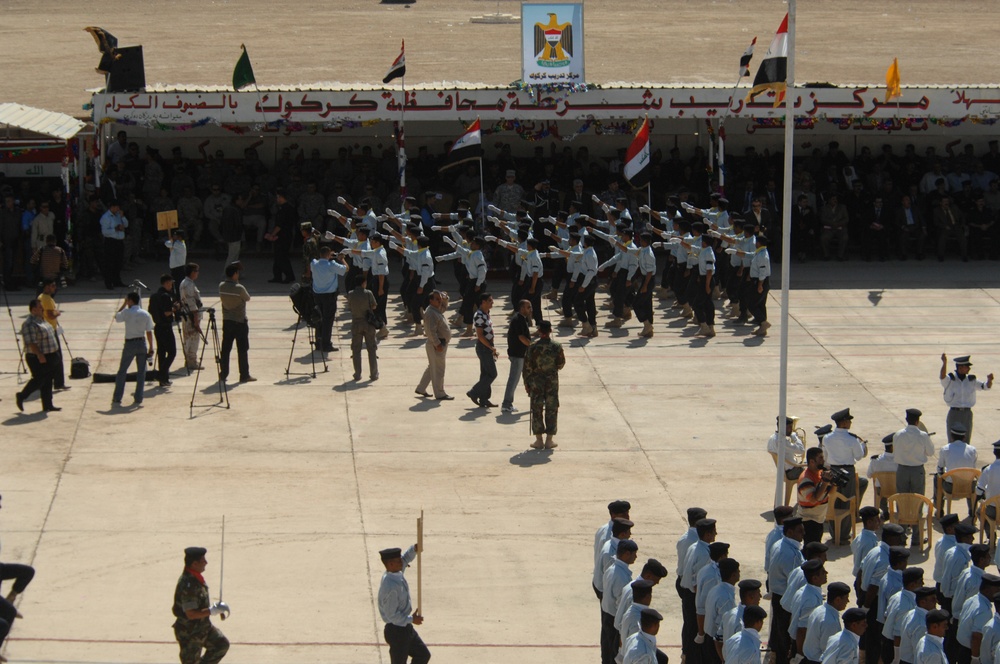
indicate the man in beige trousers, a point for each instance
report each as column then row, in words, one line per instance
column 438, row 335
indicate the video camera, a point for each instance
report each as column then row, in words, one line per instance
column 839, row 477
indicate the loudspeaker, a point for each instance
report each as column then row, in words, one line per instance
column 128, row 73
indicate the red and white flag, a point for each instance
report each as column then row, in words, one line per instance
column 469, row 146
column 773, row 71
column 637, row 158
column 398, row 67
column 746, row 58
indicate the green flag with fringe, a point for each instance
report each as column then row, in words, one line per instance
column 243, row 73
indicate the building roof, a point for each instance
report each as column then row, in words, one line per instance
column 40, row 121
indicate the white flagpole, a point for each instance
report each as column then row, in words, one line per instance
column 786, row 253
column 402, row 146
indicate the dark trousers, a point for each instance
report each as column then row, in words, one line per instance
column 58, row 370
column 689, row 628
column 381, row 301
column 758, row 300
column 405, row 643
column 234, row 331
column 111, row 265
column 748, row 290
column 586, row 308
column 468, row 306
column 733, row 283
column 644, row 303
column 814, row 532
column 20, row 574
column 704, row 307
column 281, row 267
column 535, row 299
column 617, row 291
column 951, row 645
column 558, row 274
column 964, row 655
column 483, row 389
column 327, row 303
column 888, row 651
column 7, row 615
column 166, row 349
column 778, row 639
column 609, row 639
column 568, row 296
column 41, row 377
column 418, row 301
column 872, row 639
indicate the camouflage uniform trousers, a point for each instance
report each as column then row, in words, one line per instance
column 544, row 407
column 193, row 640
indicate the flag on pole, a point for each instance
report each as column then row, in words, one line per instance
column 107, row 44
column 243, row 72
column 892, row 88
column 746, row 58
column 469, row 146
column 637, row 161
column 773, row 71
column 398, row 67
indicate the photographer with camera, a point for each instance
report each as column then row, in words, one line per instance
column 162, row 308
column 814, row 487
column 191, row 315
column 326, row 272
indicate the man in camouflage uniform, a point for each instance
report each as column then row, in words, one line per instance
column 192, row 608
column 542, row 363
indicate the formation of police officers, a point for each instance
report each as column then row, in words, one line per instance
column 901, row 617
column 709, row 256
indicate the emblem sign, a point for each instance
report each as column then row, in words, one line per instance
column 552, row 44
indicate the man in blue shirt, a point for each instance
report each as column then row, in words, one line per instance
column 138, row 347
column 326, row 272
column 113, row 225
column 396, row 610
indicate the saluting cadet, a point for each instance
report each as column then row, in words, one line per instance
column 376, row 266
column 586, row 308
column 960, row 389
column 744, row 646
column 192, row 609
column 843, row 647
column 423, row 279
column 760, row 286
column 703, row 305
column 915, row 623
column 397, row 612
column 646, row 263
column 824, row 622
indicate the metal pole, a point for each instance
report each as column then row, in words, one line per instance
column 402, row 146
column 786, row 253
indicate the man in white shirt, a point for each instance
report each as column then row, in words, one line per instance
column 138, row 347
column 956, row 454
column 843, row 450
column 960, row 389
column 912, row 448
column 824, row 622
column 989, row 483
column 882, row 463
column 794, row 449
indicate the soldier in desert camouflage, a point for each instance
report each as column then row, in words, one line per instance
column 542, row 363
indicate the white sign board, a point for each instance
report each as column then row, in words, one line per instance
column 552, row 43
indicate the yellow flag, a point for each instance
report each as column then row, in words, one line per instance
column 892, row 81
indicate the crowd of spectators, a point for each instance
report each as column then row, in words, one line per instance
column 872, row 206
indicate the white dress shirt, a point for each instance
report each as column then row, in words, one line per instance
column 913, row 629
column 842, row 449
column 911, row 446
column 957, row 454
column 960, row 391
column 137, row 322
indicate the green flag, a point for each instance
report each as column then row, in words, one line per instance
column 243, row 73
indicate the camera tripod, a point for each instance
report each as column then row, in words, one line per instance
column 21, row 368
column 311, row 335
column 212, row 332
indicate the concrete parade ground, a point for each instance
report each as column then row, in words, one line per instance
column 315, row 475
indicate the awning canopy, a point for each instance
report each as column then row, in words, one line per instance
column 40, row 121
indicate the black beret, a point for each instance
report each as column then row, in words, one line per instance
column 717, row 548
column 948, row 520
column 793, row 522
column 892, row 529
column 783, row 511
column 937, row 616
column 627, row 545
column 642, row 584
column 837, row 589
column 964, row 530
column 193, row 553
column 911, row 574
column 810, row 566
column 705, row 523
column 813, row 549
column 728, row 566
column 925, row 591
column 977, row 550
column 696, row 513
column 655, row 567
column 989, row 580
column 749, row 584
column 651, row 614
column 753, row 615
column 619, row 506
column 854, row 615
column 390, row 554
column 898, row 553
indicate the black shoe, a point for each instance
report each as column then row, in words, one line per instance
column 486, row 403
column 51, row 409
column 357, row 376
column 248, row 379
column 473, row 398
column 60, row 388
column 423, row 395
column 445, row 397
column 19, row 398
column 373, row 377
column 165, row 383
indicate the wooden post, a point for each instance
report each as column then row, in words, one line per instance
column 420, row 552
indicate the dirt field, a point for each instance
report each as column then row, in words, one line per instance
column 49, row 59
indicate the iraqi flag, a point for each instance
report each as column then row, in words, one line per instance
column 773, row 71
column 398, row 68
column 469, row 146
column 637, row 162
column 746, row 58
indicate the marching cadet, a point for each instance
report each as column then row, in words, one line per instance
column 760, row 286
column 586, row 289
column 646, row 264
column 744, row 646
column 423, row 282
column 396, row 610
column 703, row 305
column 192, row 609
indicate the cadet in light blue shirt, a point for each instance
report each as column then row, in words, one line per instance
column 955, row 561
column 899, row 605
column 976, row 612
column 395, row 608
column 915, row 623
column 640, row 648
column 744, row 646
column 942, row 546
column 797, row 579
column 969, row 580
column 774, row 535
column 843, row 647
column 720, row 600
column 732, row 621
column 620, row 529
column 708, row 578
column 892, row 582
column 639, row 595
column 867, row 539
column 807, row 598
column 617, row 509
column 824, row 621
column 652, row 572
column 785, row 556
column 930, row 647
column 991, row 637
